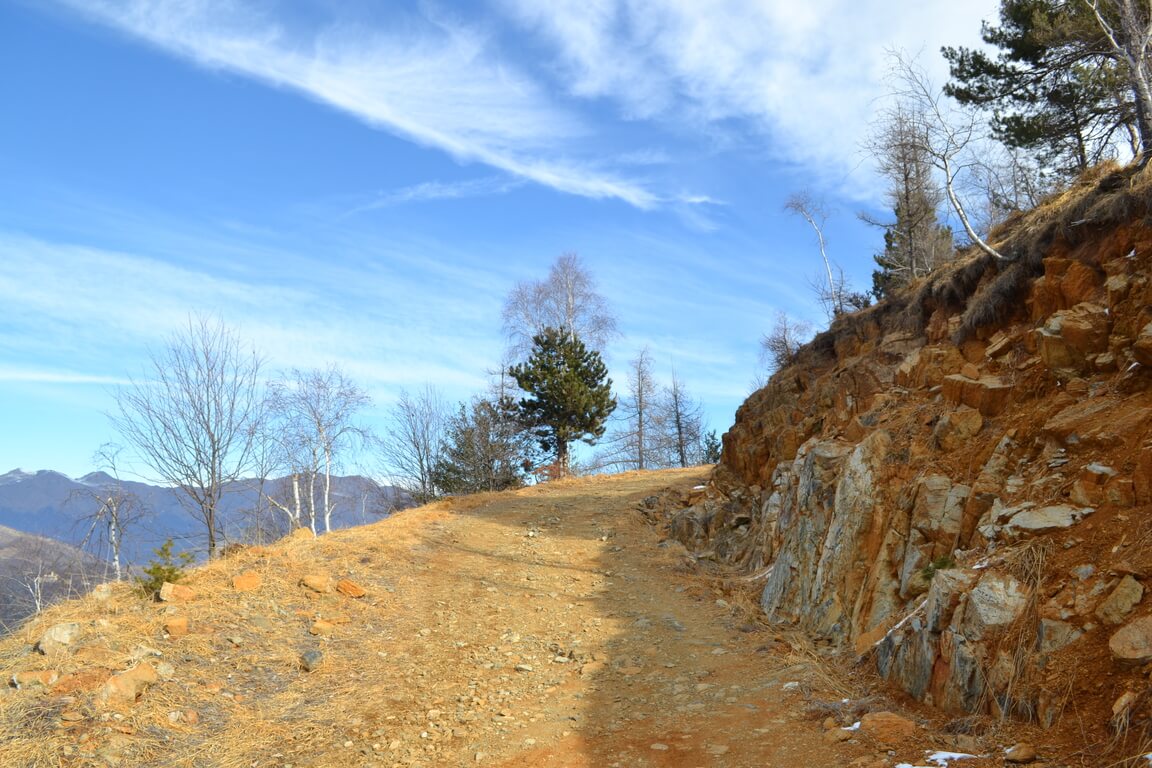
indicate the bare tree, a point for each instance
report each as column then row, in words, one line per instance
column 813, row 211
column 413, row 441
column 779, row 346
column 948, row 136
column 116, row 509
column 314, row 413
column 1127, row 25
column 194, row 417
column 567, row 300
column 914, row 242
column 682, row 421
column 639, row 411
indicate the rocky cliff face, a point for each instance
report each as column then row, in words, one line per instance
column 956, row 484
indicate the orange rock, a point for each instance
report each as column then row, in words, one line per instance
column 40, row 678
column 176, row 593
column 888, row 729
column 322, row 627
column 349, row 588
column 249, row 581
column 129, row 685
column 177, row 626
column 317, row 582
column 989, row 394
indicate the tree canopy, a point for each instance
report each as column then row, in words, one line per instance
column 1055, row 87
column 569, row 394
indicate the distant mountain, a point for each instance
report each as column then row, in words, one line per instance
column 48, row 503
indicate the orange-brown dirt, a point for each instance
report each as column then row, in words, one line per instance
column 545, row 627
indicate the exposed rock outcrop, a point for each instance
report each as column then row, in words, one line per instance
column 946, row 483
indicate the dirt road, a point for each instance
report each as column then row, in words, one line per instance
column 541, row 628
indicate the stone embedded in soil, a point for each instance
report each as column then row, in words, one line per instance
column 1021, row 752
column 58, row 638
column 177, row 626
column 1132, row 643
column 317, row 582
column 176, row 593
column 322, row 627
column 40, row 678
column 349, row 588
column 1116, row 607
column 249, row 581
column 310, row 660
column 888, row 729
column 129, row 685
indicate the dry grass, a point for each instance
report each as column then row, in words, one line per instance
column 986, row 292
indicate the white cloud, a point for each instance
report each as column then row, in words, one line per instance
column 437, row 85
column 436, row 190
column 9, row 374
column 71, row 308
column 805, row 76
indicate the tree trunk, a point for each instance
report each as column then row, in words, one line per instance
column 562, row 457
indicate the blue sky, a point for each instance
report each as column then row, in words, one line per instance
column 362, row 183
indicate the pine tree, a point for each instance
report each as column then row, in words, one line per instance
column 485, row 449
column 569, row 393
column 1055, row 86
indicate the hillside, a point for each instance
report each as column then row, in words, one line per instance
column 955, row 486
column 36, row 571
column 544, row 627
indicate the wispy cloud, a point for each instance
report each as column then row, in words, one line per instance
column 102, row 310
column 804, row 77
column 42, row 376
column 435, row 190
column 436, row 84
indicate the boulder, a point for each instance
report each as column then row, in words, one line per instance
column 129, row 685
column 1142, row 347
column 1030, row 521
column 318, row 582
column 1131, row 645
column 956, row 428
column 58, row 638
column 989, row 394
column 1116, row 607
column 176, row 593
column 994, row 603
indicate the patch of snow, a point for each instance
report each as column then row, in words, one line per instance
column 939, row 759
column 854, row 727
column 942, row 758
column 15, row 476
column 791, row 686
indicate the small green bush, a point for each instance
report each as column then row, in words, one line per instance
column 166, row 566
column 942, row 563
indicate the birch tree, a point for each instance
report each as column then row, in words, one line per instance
column 314, row 415
column 567, row 300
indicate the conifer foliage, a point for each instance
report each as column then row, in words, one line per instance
column 569, row 392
